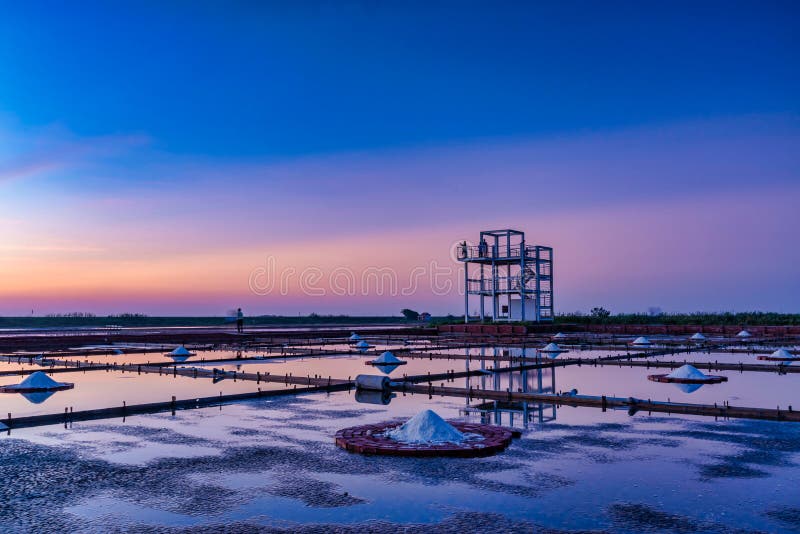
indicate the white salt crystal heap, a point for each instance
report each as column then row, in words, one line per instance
column 698, row 337
column 641, row 341
column 362, row 345
column 180, row 351
column 387, row 357
column 784, row 355
column 37, row 380
column 743, row 333
column 552, row 350
column 354, row 336
column 427, row 428
column 552, row 347
column 687, row 371
column 560, row 335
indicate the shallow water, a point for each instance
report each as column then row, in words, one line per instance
column 272, row 463
column 754, row 389
column 101, row 389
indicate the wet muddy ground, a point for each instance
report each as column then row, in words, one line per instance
column 271, row 466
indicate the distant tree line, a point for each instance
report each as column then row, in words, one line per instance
column 602, row 316
column 85, row 315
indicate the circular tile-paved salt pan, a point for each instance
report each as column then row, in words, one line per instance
column 370, row 439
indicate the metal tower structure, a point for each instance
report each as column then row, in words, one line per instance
column 519, row 280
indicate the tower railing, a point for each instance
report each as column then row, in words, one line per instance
column 504, row 284
column 479, row 252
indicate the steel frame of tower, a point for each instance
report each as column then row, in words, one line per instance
column 506, row 250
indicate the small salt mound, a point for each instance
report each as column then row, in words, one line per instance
column 743, row 333
column 426, row 427
column 180, row 351
column 387, row 357
column 784, row 354
column 362, row 344
column 641, row 341
column 687, row 372
column 698, row 337
column 37, row 380
column 560, row 335
column 552, row 347
column 354, row 336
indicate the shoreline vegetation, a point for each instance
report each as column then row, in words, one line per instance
column 80, row 319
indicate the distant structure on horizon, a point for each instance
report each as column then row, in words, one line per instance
column 519, row 280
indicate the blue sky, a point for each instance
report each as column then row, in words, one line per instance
column 152, row 154
column 266, row 79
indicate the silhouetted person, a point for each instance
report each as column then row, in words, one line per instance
column 239, row 321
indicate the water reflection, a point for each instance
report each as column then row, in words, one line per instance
column 386, row 369
column 526, row 381
column 37, row 397
column 688, row 388
column 367, row 396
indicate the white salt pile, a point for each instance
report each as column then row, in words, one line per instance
column 180, row 351
column 552, row 347
column 687, row 372
column 362, row 345
column 386, row 358
column 641, row 341
column 426, row 427
column 784, row 355
column 37, row 380
column 698, row 337
column 560, row 335
column 354, row 336
column 743, row 333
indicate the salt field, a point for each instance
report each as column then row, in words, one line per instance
column 271, row 463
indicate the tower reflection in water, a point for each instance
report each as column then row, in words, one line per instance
column 514, row 413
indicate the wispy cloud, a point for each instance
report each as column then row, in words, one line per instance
column 30, row 152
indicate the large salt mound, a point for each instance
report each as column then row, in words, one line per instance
column 362, row 345
column 37, row 380
column 687, row 372
column 552, row 347
column 426, row 427
column 180, row 351
column 641, row 341
column 698, row 337
column 743, row 333
column 386, row 357
column 354, row 336
column 784, row 354
column 560, row 335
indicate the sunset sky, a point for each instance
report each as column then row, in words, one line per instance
column 161, row 157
